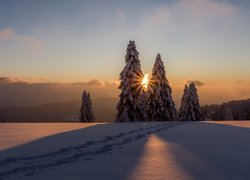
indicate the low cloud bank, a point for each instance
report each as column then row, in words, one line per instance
column 18, row 92
column 26, row 92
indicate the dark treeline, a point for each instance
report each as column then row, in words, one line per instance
column 232, row 110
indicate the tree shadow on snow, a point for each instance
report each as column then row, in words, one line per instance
column 210, row 151
column 91, row 148
column 201, row 150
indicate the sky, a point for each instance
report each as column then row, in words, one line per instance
column 77, row 41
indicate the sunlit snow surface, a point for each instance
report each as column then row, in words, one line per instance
column 155, row 150
column 12, row 134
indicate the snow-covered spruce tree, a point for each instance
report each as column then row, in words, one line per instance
column 160, row 106
column 91, row 114
column 129, row 106
column 184, row 100
column 86, row 112
column 143, row 101
column 190, row 106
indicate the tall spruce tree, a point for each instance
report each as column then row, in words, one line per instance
column 129, row 106
column 143, row 101
column 86, row 111
column 161, row 106
column 190, row 106
column 184, row 100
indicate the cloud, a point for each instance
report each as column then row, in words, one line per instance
column 191, row 11
column 15, row 91
column 40, row 80
column 8, row 80
column 196, row 82
column 112, row 83
column 29, row 41
column 94, row 82
column 24, row 80
column 187, row 18
column 4, row 80
column 97, row 83
column 6, row 34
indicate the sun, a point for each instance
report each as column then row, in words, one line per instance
column 145, row 81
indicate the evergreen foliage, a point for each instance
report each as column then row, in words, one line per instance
column 86, row 111
column 160, row 103
column 129, row 106
column 190, row 106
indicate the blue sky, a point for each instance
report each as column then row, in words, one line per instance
column 80, row 40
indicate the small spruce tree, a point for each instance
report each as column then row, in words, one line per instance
column 91, row 114
column 129, row 106
column 190, row 106
column 86, row 112
column 160, row 106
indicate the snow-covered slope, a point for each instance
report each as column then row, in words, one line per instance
column 155, row 150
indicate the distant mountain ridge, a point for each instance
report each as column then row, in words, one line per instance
column 104, row 110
